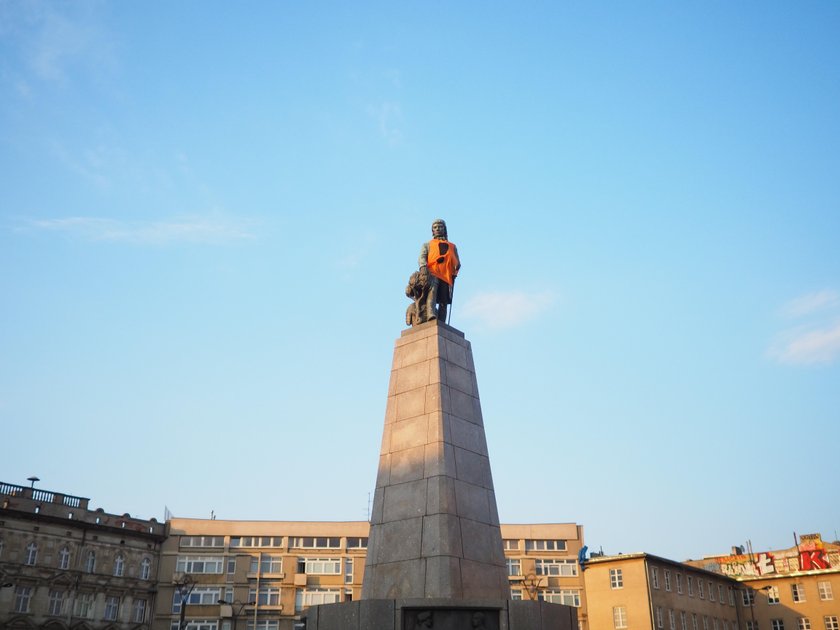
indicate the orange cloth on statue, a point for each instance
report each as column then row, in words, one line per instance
column 443, row 260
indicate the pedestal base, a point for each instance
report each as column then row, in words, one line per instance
column 440, row 614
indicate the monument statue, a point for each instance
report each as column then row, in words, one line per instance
column 431, row 287
column 435, row 557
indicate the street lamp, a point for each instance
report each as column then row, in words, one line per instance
column 185, row 586
column 33, row 479
column 751, row 596
column 238, row 612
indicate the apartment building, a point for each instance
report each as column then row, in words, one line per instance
column 795, row 588
column 260, row 575
column 640, row 591
column 63, row 565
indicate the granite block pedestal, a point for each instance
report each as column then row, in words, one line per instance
column 435, row 557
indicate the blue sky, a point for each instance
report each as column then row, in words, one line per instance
column 209, row 212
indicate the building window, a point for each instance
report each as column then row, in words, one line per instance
column 545, row 545
column 619, row 617
column 693, row 621
column 804, row 623
column 56, row 604
column 319, row 566
column 314, row 543
column 84, row 605
column 31, row 554
column 64, row 558
column 700, row 593
column 678, row 576
column 616, row 579
column 667, row 575
column 715, row 623
column 711, row 592
column 355, row 542
column 516, row 594
column 348, row 570
column 672, row 620
column 145, row 569
column 266, row 564
column 654, row 577
column 197, row 624
column 199, row 596
column 202, row 541
column 514, row 566
column 659, row 622
column 510, row 544
column 797, row 593
column 90, row 562
column 267, row 596
column 258, row 541
column 731, row 596
column 690, row 583
column 777, row 624
column 748, row 597
column 556, row 567
column 568, row 597
column 138, row 611
column 22, row 596
column 830, row 622
column 720, row 593
column 683, row 620
column 119, row 565
column 773, row 595
column 752, row 625
column 314, row 596
column 705, row 622
column 264, row 624
column 199, row 564
column 112, row 607
column 825, row 591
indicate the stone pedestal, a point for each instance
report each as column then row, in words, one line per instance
column 435, row 557
column 420, row 614
column 434, row 526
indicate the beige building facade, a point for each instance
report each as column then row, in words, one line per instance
column 640, row 591
column 63, row 565
column 796, row 588
column 260, row 575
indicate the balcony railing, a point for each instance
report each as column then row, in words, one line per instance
column 42, row 496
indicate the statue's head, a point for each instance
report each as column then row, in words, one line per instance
column 439, row 229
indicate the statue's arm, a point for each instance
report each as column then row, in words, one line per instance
column 424, row 255
column 458, row 257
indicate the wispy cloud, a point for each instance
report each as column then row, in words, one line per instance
column 506, row 309
column 186, row 229
column 807, row 346
column 388, row 116
column 811, row 302
column 816, row 338
column 54, row 39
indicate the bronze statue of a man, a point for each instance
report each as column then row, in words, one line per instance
column 439, row 265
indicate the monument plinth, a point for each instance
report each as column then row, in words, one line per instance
column 434, row 526
column 435, row 556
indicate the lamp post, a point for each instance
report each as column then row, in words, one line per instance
column 185, row 586
column 235, row 614
column 751, row 596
